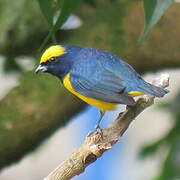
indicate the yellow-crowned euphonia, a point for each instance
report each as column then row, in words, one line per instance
column 96, row 76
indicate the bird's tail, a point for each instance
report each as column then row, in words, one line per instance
column 148, row 88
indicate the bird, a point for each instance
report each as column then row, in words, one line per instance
column 96, row 76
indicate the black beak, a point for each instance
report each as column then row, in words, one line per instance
column 41, row 68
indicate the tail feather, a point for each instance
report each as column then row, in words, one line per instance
column 153, row 90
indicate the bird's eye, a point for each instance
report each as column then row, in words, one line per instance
column 52, row 60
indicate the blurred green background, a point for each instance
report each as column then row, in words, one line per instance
column 33, row 107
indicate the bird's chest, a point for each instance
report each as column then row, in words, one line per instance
column 102, row 105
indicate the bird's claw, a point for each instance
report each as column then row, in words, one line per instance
column 97, row 127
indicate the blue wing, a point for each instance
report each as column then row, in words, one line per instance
column 94, row 79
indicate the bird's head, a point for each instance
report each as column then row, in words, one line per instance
column 54, row 61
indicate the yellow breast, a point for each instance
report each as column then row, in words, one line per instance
column 102, row 105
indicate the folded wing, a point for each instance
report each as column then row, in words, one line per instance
column 102, row 85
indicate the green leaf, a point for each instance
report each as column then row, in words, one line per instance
column 66, row 7
column 149, row 149
column 47, row 10
column 154, row 9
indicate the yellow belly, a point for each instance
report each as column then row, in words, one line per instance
column 102, row 105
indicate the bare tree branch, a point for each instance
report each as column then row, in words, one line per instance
column 99, row 141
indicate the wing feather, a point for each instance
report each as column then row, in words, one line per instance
column 108, row 90
column 97, row 75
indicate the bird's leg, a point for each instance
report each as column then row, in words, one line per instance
column 99, row 120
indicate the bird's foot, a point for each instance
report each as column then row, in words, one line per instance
column 97, row 133
column 97, row 127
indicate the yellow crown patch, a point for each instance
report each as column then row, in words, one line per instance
column 52, row 51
